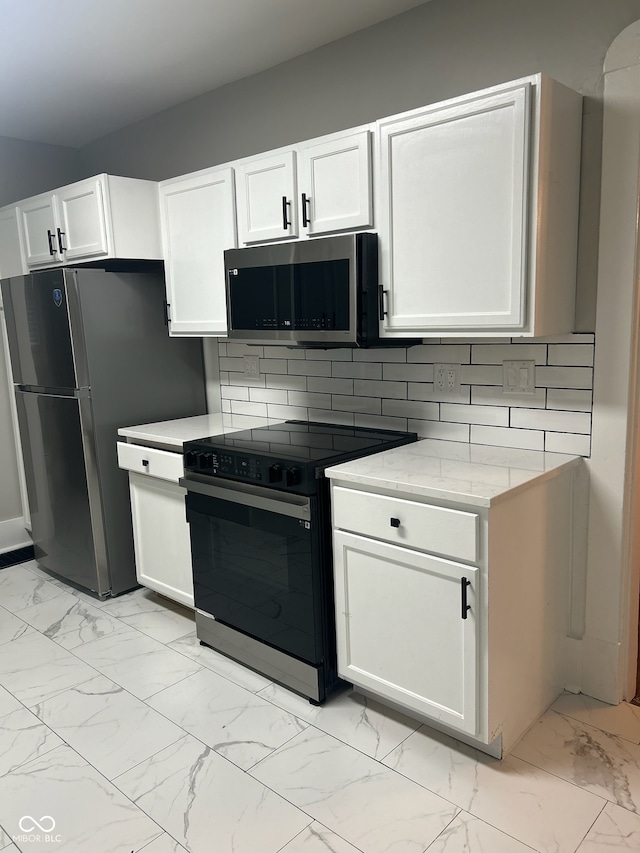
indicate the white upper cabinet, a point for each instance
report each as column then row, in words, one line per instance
column 82, row 231
column 266, row 196
column 101, row 217
column 318, row 187
column 198, row 221
column 38, row 220
column 478, row 204
column 11, row 261
column 335, row 183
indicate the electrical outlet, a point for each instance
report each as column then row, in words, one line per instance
column 251, row 366
column 446, row 380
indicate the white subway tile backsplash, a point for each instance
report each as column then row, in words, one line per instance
column 236, row 350
column 411, row 409
column 239, row 407
column 497, row 353
column 391, row 354
column 286, row 381
column 309, row 398
column 569, row 399
column 357, row 370
column 235, row 364
column 268, row 395
column 374, row 388
column 426, row 391
column 234, row 392
column 493, row 415
column 489, row 395
column 527, row 439
column 329, row 354
column 546, row 419
column 328, row 416
column 439, row 353
column 564, row 377
column 393, row 389
column 311, row 368
column 480, row 374
column 561, row 442
column 439, row 429
column 377, row 422
column 330, row 385
column 285, row 413
column 368, row 405
column 408, row 372
column 571, row 354
column 274, row 365
column 283, row 352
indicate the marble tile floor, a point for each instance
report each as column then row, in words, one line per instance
column 119, row 733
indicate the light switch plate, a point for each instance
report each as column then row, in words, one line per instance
column 518, row 377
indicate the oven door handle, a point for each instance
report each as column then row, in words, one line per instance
column 294, row 506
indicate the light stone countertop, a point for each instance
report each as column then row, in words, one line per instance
column 475, row 474
column 173, row 434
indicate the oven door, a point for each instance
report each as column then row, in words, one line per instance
column 257, row 563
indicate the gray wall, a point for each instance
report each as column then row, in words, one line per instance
column 441, row 49
column 29, row 168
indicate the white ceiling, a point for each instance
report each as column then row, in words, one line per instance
column 72, row 71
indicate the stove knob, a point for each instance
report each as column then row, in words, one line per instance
column 205, row 460
column 191, row 459
column 275, row 473
column 292, row 476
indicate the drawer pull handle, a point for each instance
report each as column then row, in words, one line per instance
column 145, row 463
column 395, row 522
column 464, row 583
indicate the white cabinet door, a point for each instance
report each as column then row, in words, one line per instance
column 400, row 629
column 453, row 214
column 335, row 184
column 10, row 244
column 161, row 537
column 266, row 198
column 82, row 229
column 198, row 222
column 37, row 217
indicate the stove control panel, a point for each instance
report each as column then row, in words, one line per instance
column 281, row 474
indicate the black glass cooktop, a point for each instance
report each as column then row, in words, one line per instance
column 306, row 440
column 289, row 456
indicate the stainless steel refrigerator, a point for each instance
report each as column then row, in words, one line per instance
column 90, row 352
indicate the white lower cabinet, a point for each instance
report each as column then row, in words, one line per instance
column 457, row 613
column 402, row 630
column 160, row 529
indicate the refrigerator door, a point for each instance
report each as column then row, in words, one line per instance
column 43, row 351
column 66, row 517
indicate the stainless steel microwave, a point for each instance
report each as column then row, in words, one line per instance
column 318, row 292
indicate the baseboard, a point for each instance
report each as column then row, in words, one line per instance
column 13, row 535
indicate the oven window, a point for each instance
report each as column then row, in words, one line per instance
column 257, row 571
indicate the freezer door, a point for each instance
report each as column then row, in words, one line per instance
column 64, row 496
column 39, row 331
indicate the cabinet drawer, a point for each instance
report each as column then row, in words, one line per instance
column 147, row 460
column 449, row 532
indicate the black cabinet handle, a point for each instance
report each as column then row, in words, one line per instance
column 285, row 213
column 464, row 583
column 166, row 306
column 51, row 237
column 381, row 312
column 394, row 522
column 306, row 210
column 61, row 234
column 145, row 463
